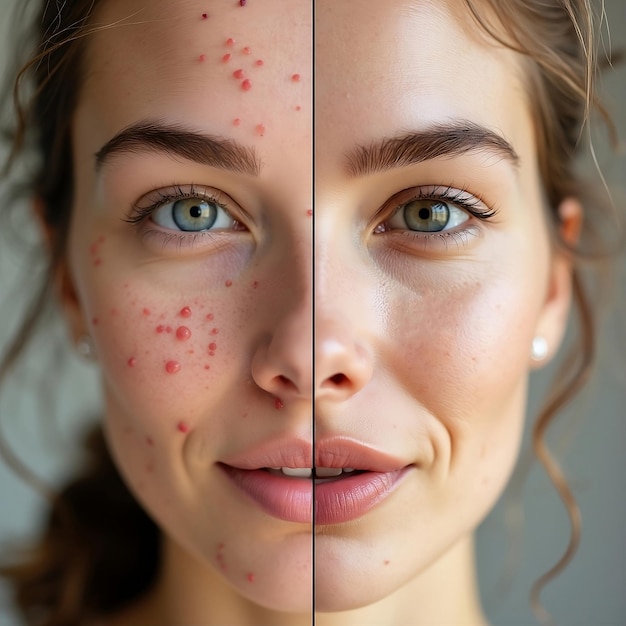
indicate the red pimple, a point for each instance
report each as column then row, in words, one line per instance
column 298, row 107
column 255, row 284
column 210, row 316
column 278, row 403
column 214, row 331
column 183, row 427
column 295, row 78
column 246, row 85
column 185, row 312
column 230, row 42
column 212, row 346
column 242, row 3
column 132, row 361
column 309, row 212
column 246, row 50
column 146, row 311
column 149, row 441
column 259, row 62
column 207, row 367
column 160, row 328
column 205, row 16
column 229, row 283
column 250, row 577
column 236, row 122
column 260, row 129
column 183, row 333
column 171, row 367
column 202, row 58
column 238, row 73
column 226, row 57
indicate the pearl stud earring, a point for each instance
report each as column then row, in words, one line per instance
column 539, row 349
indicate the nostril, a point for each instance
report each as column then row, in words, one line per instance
column 286, row 382
column 339, row 380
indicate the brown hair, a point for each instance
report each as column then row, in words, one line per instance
column 68, row 576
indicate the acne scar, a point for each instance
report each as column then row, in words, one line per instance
column 183, row 427
column 230, row 42
column 226, row 57
column 229, row 283
column 185, row 312
column 278, row 403
column 238, row 73
column 171, row 367
column 246, row 85
column 250, row 577
column 132, row 361
column 260, row 129
column 183, row 333
column 295, row 78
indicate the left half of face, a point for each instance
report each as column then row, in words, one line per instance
column 190, row 255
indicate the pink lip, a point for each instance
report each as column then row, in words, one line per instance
column 337, row 501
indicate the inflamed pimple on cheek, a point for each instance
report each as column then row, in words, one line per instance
column 246, row 50
column 250, row 577
column 183, row 427
column 172, row 367
column 185, row 312
column 278, row 404
column 183, row 333
column 226, row 58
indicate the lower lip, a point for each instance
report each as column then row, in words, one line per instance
column 288, row 499
column 349, row 498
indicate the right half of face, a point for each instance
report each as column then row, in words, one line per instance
column 191, row 254
column 432, row 270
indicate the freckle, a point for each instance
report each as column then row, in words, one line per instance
column 295, row 78
column 238, row 73
column 260, row 129
column 183, row 333
column 183, row 427
column 149, row 441
column 278, row 403
column 185, row 312
column 229, row 283
column 160, row 328
column 213, row 346
column 230, row 41
column 132, row 361
column 309, row 212
column 210, row 316
column 246, row 50
column 146, row 311
column 250, row 577
column 226, row 57
column 214, row 331
column 246, row 85
column 386, row 562
column 236, row 122
column 255, row 284
column 171, row 367
column 259, row 62
column 202, row 58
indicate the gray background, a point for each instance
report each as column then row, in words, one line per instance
column 590, row 438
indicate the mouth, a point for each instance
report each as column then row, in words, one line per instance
column 321, row 475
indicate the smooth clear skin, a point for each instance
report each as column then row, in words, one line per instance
column 432, row 334
column 225, row 560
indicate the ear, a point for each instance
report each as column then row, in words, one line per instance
column 63, row 282
column 552, row 321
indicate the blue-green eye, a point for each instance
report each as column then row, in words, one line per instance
column 428, row 216
column 192, row 214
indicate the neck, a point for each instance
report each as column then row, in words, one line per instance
column 446, row 593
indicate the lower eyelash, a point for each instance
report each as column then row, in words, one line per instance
column 459, row 237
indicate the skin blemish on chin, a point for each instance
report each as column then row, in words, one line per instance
column 160, row 329
column 183, row 427
column 278, row 403
column 226, row 58
column 238, row 73
column 172, row 367
column 295, row 78
column 230, row 42
column 185, row 312
column 183, row 333
column 246, row 85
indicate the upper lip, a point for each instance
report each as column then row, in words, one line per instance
column 334, row 451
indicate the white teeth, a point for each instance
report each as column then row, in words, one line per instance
column 325, row 472
column 300, row 472
column 348, row 469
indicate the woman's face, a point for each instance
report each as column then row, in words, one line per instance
column 191, row 248
column 426, row 302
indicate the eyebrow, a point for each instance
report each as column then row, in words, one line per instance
column 177, row 141
column 436, row 141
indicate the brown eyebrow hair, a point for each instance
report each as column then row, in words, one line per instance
column 176, row 140
column 439, row 140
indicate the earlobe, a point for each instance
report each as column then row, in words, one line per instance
column 552, row 321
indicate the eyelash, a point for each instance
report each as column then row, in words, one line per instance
column 461, row 198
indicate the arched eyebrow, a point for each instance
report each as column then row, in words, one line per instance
column 178, row 141
column 439, row 140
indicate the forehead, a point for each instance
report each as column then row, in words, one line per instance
column 164, row 58
column 388, row 67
